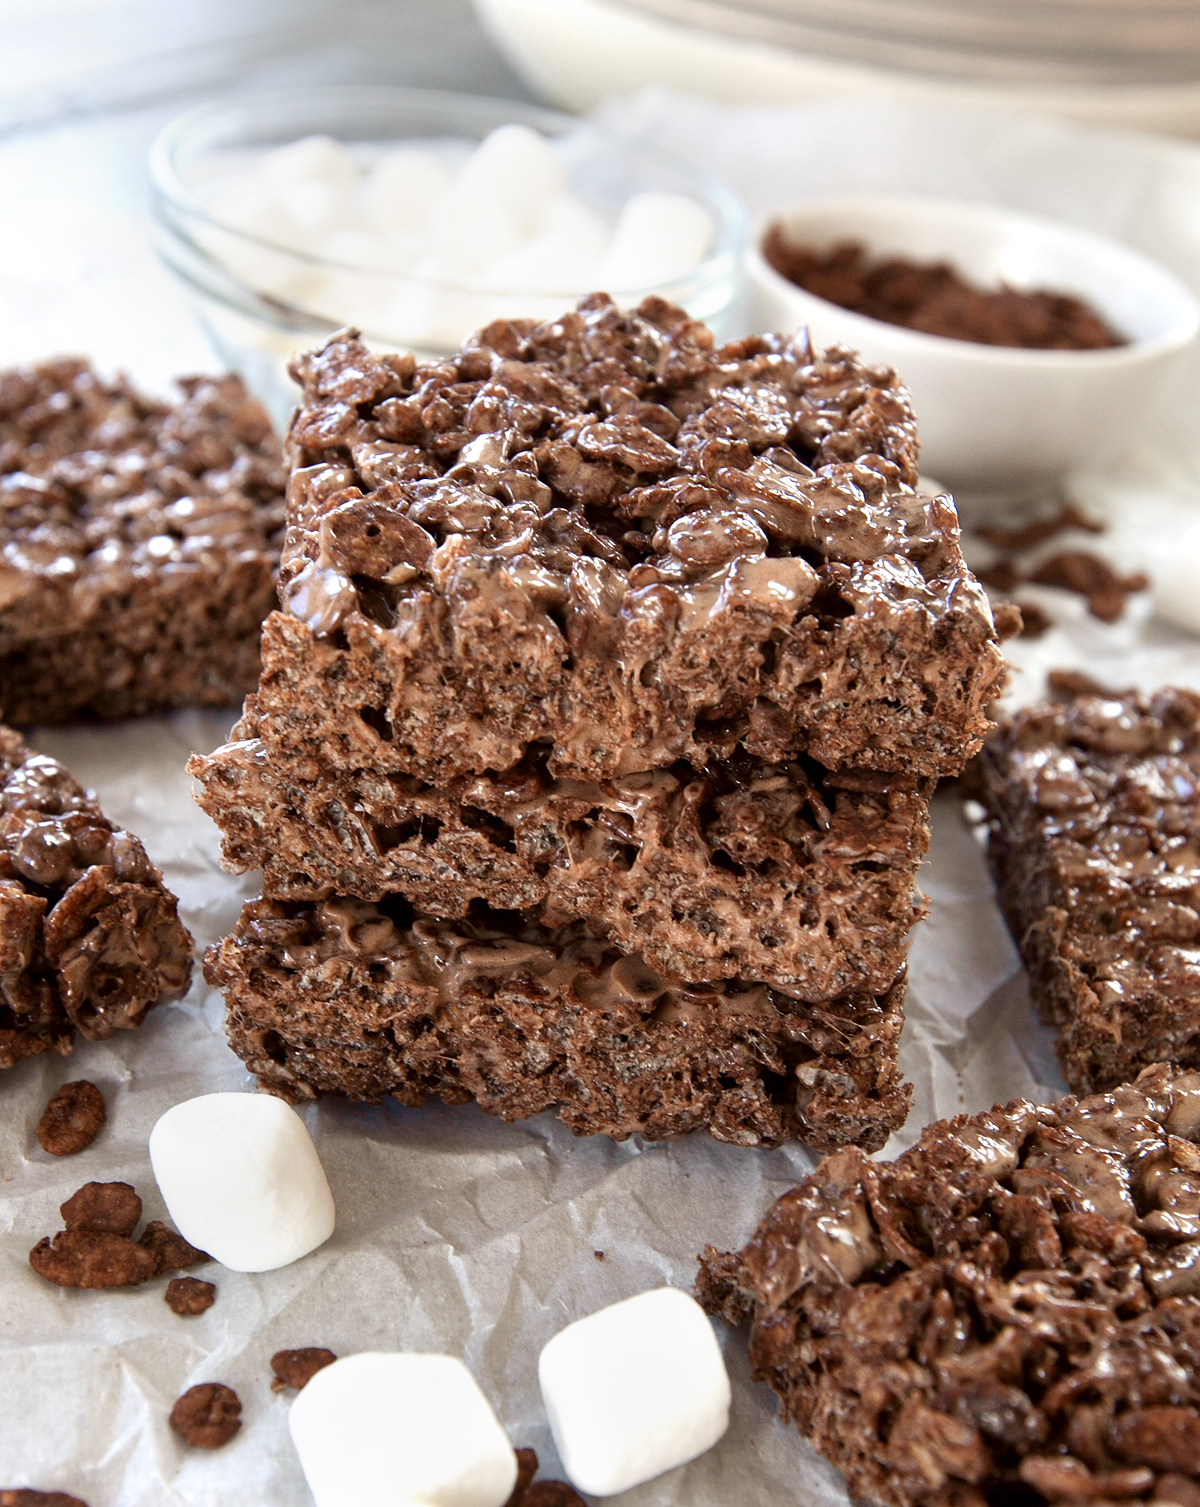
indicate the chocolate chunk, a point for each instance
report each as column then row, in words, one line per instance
column 207, row 1416
column 981, row 1318
column 73, row 1118
column 935, row 298
column 171, row 1252
column 109, row 1208
column 186, row 1295
column 140, row 543
column 296, row 1368
column 89, row 937
column 1093, row 805
column 91, row 1259
column 527, row 1464
column 25, row 1496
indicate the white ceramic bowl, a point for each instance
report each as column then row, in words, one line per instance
column 993, row 418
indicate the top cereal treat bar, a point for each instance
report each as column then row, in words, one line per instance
column 138, row 544
column 602, row 534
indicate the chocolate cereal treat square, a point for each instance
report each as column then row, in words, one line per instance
column 370, row 1000
column 90, row 938
column 1093, row 809
column 603, row 535
column 787, row 874
column 1007, row 1313
column 139, row 544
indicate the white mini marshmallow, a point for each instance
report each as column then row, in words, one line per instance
column 659, row 237
column 634, row 1390
column 398, row 1430
column 242, row 1180
column 400, row 189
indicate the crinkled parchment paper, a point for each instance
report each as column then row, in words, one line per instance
column 458, row 1233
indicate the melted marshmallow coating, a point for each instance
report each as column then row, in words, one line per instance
column 1009, row 1312
column 1094, row 843
column 89, row 937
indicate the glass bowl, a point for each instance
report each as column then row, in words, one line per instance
column 253, row 294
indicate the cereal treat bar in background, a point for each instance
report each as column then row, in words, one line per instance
column 602, row 535
column 1007, row 1313
column 371, row 1000
column 139, row 544
column 784, row 873
column 1093, row 807
column 89, row 937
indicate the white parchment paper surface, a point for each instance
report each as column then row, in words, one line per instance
column 457, row 1233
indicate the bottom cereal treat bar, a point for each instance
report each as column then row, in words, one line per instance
column 1093, row 807
column 373, row 999
column 1009, row 1313
column 89, row 936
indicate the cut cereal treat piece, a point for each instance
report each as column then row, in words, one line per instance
column 111, row 1208
column 207, row 1416
column 1008, row 1312
column 171, row 1252
column 188, row 1296
column 90, row 939
column 1093, row 806
column 369, row 1000
column 241, row 1177
column 73, row 1119
column 401, row 1428
column 140, row 544
column 634, row 1390
column 91, row 1259
column 294, row 1369
column 602, row 534
column 788, row 874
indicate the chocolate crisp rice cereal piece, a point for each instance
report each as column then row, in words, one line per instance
column 1007, row 1313
column 788, row 874
column 188, row 1296
column 207, row 1416
column 138, row 544
column 603, row 535
column 371, row 1000
column 95, row 1251
column 296, row 1368
column 1093, row 807
column 545, row 1493
column 73, row 1119
column 111, row 1208
column 170, row 1250
column 89, row 937
column 24, row 1496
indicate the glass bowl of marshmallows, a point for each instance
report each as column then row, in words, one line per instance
column 419, row 216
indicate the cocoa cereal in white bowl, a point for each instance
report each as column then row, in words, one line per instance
column 993, row 417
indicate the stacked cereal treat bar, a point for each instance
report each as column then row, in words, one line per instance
column 1009, row 1312
column 1093, row 806
column 89, row 937
column 590, row 760
column 138, row 544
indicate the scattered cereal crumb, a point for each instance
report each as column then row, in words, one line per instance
column 71, row 1121
column 107, row 1208
column 25, row 1496
column 188, row 1295
column 207, row 1416
column 599, row 1255
column 91, row 1259
column 527, row 1464
column 296, row 1368
column 171, row 1252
